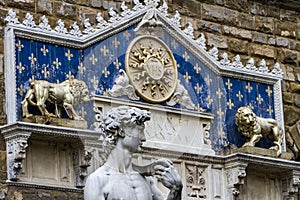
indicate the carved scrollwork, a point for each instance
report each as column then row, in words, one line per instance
column 206, row 134
column 151, row 68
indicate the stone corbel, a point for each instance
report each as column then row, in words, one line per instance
column 82, row 160
column 235, row 174
column 16, row 153
column 294, row 182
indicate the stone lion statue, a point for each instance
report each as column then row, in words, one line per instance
column 254, row 128
column 62, row 95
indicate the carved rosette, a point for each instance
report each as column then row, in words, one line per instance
column 151, row 68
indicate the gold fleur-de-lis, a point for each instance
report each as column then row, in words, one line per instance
column 126, row 35
column 269, row 91
column 21, row 90
column 259, row 99
column 32, row 58
column 95, row 82
column 116, row 42
column 93, row 59
column 187, row 77
column 209, row 99
column 249, row 87
column 239, row 95
column 198, row 88
column 104, row 50
column 81, row 68
column 219, row 93
column 208, row 80
column 69, row 55
column 270, row 110
column 105, row 72
column 229, row 84
column 20, row 67
column 197, row 68
column 69, row 75
column 251, row 106
column 185, row 56
column 45, row 72
column 19, row 45
column 230, row 104
column 57, row 63
column 117, row 63
column 44, row 50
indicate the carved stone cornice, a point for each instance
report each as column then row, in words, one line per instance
column 20, row 129
column 45, row 186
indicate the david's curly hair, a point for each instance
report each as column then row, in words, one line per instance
column 116, row 118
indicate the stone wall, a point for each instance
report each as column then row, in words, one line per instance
column 259, row 29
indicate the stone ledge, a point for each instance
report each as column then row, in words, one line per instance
column 263, row 152
column 54, row 121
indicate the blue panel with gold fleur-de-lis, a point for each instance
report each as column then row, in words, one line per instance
column 98, row 66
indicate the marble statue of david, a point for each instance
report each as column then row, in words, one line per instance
column 119, row 178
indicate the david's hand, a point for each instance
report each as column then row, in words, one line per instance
column 167, row 174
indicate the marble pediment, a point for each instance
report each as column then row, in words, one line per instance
column 143, row 57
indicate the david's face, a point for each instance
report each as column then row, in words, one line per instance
column 134, row 137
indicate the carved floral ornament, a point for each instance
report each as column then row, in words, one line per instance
column 151, row 68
